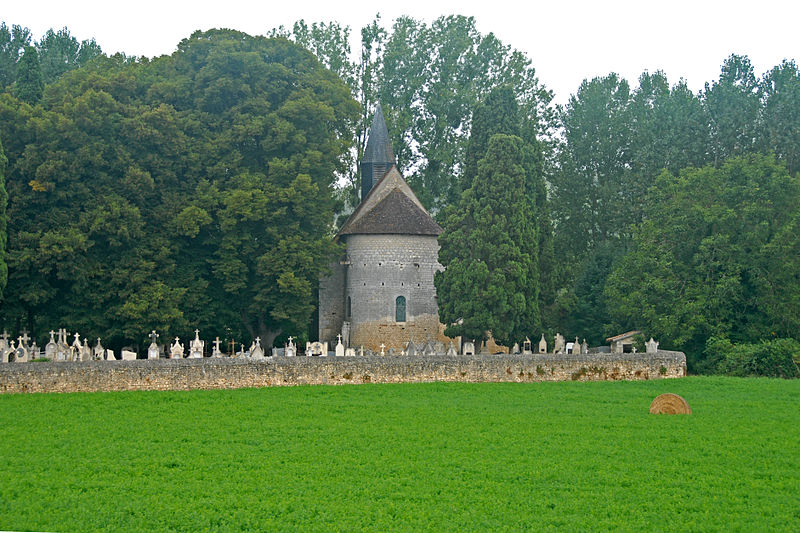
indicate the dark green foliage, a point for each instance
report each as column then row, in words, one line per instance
column 196, row 188
column 775, row 358
column 780, row 116
column 12, row 44
column 489, row 251
column 717, row 255
column 417, row 457
column 60, row 52
column 3, row 224
column 29, row 86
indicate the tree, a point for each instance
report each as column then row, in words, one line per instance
column 12, row 44
column 60, row 52
column 716, row 256
column 3, row 235
column 488, row 250
column 29, row 86
column 780, row 116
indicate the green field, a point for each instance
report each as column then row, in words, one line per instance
column 440, row 456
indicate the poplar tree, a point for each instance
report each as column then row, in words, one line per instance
column 3, row 200
column 29, row 87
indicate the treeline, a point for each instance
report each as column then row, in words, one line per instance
column 201, row 189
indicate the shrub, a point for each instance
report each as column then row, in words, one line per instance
column 770, row 358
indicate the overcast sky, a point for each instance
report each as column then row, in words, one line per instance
column 567, row 41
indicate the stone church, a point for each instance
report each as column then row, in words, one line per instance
column 381, row 291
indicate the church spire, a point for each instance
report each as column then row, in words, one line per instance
column 378, row 155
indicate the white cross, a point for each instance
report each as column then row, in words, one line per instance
column 339, row 338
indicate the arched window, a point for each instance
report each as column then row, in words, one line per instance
column 400, row 309
column 349, row 311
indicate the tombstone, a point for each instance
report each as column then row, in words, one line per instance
column 515, row 349
column 256, row 351
column 576, row 347
column 346, row 334
column 196, row 346
column 527, row 348
column 439, row 348
column 558, row 344
column 339, row 347
column 75, row 349
column 349, row 352
column 451, row 350
column 86, row 351
column 62, row 348
column 98, row 351
column 152, row 350
column 216, row 351
column 383, row 349
column 34, row 352
column 585, row 347
column 128, row 355
column 391, row 352
column 411, row 349
column 542, row 345
column 651, row 346
column 291, row 349
column 361, row 351
column 469, row 348
column 319, row 349
column 10, row 353
column 110, row 355
column 176, row 350
column 4, row 341
column 428, row 349
column 22, row 354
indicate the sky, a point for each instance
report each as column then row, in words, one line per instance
column 567, row 41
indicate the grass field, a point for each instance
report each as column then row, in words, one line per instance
column 440, row 456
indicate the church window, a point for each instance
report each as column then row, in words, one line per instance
column 349, row 310
column 400, row 309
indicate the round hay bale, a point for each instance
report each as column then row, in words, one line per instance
column 670, row 404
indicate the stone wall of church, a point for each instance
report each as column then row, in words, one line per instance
column 331, row 303
column 382, row 268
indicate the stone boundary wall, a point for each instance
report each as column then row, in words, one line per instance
column 186, row 374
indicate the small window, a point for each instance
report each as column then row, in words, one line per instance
column 400, row 309
column 349, row 310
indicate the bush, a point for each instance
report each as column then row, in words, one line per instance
column 771, row 358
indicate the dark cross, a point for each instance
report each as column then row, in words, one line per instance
column 153, row 336
column 232, row 345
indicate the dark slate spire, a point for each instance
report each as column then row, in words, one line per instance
column 378, row 155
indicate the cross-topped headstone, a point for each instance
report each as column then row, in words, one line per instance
column 383, row 347
column 52, row 334
column 339, row 338
column 217, row 343
column 153, row 336
column 24, row 338
column 4, row 336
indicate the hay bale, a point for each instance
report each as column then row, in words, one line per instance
column 670, row 404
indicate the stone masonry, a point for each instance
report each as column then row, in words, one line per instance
column 185, row 374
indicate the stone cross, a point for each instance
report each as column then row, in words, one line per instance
column 153, row 336
column 216, row 344
column 383, row 346
column 77, row 338
column 25, row 338
column 52, row 333
column 258, row 341
column 339, row 338
column 4, row 336
column 634, row 349
column 232, row 346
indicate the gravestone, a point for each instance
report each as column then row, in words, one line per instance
column 216, row 351
column 383, row 349
column 176, row 350
column 651, row 346
column 318, row 349
column 4, row 341
column 152, row 350
column 98, row 352
column 451, row 350
column 526, row 347
column 576, row 347
column 428, row 349
column 196, row 346
column 23, row 354
column 585, row 347
column 346, row 334
column 391, row 352
column 110, row 355
column 128, row 355
column 469, row 348
column 10, row 353
column 361, row 351
column 411, row 349
column 558, row 346
column 349, row 352
column 75, row 349
column 339, row 346
column 439, row 348
column 256, row 351
column 291, row 349
column 515, row 349
column 62, row 348
column 50, row 347
column 542, row 345
column 86, row 351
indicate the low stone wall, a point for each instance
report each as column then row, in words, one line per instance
column 185, row 374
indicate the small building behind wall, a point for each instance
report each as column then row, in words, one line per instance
column 623, row 343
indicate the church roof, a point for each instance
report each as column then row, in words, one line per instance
column 379, row 147
column 391, row 208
